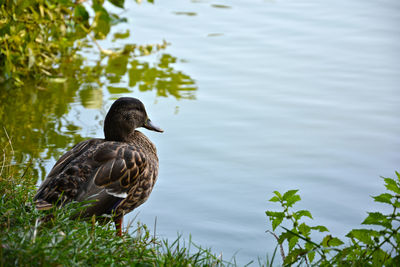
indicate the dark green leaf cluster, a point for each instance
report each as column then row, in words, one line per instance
column 365, row 247
column 50, row 238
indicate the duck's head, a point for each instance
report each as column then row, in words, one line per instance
column 125, row 115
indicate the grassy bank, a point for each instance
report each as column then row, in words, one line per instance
column 49, row 238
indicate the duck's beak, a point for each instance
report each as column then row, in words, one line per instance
column 150, row 126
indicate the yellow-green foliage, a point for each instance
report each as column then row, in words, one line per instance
column 34, row 35
column 38, row 37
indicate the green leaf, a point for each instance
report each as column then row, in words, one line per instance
column 311, row 254
column 304, row 229
column 330, row 241
column 81, row 14
column 377, row 218
column 293, row 241
column 380, row 257
column 384, row 198
column 274, row 199
column 392, row 185
column 320, row 228
column 101, row 24
column 363, row 235
column 118, row 3
column 289, row 194
column 278, row 194
column 297, row 215
column 284, row 236
column 274, row 213
column 119, row 35
column 275, row 217
column 292, row 200
column 334, row 242
column 345, row 252
column 291, row 197
column 294, row 256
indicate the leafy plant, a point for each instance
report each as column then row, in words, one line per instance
column 365, row 247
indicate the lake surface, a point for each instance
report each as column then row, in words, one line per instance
column 280, row 95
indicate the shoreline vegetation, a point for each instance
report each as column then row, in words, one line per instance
column 50, row 238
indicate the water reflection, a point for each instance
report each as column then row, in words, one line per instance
column 163, row 78
column 35, row 117
column 159, row 76
column 214, row 34
column 91, row 97
column 221, row 6
column 190, row 14
column 34, row 120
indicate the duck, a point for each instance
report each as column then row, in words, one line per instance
column 114, row 175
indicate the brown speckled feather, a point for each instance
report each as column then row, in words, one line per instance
column 118, row 175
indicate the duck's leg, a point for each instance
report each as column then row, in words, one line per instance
column 118, row 225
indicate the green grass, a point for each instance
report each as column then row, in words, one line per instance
column 50, row 238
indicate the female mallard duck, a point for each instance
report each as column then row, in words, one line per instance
column 117, row 172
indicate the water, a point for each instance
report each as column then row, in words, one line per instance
column 285, row 95
column 292, row 95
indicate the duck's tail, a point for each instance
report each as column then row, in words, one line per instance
column 41, row 204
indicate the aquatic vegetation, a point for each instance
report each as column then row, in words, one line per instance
column 375, row 246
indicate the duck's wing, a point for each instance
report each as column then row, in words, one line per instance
column 65, row 160
column 72, row 154
column 121, row 167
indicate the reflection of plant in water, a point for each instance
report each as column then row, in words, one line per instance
column 34, row 120
column 37, row 36
column 42, row 71
column 34, row 116
column 161, row 76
